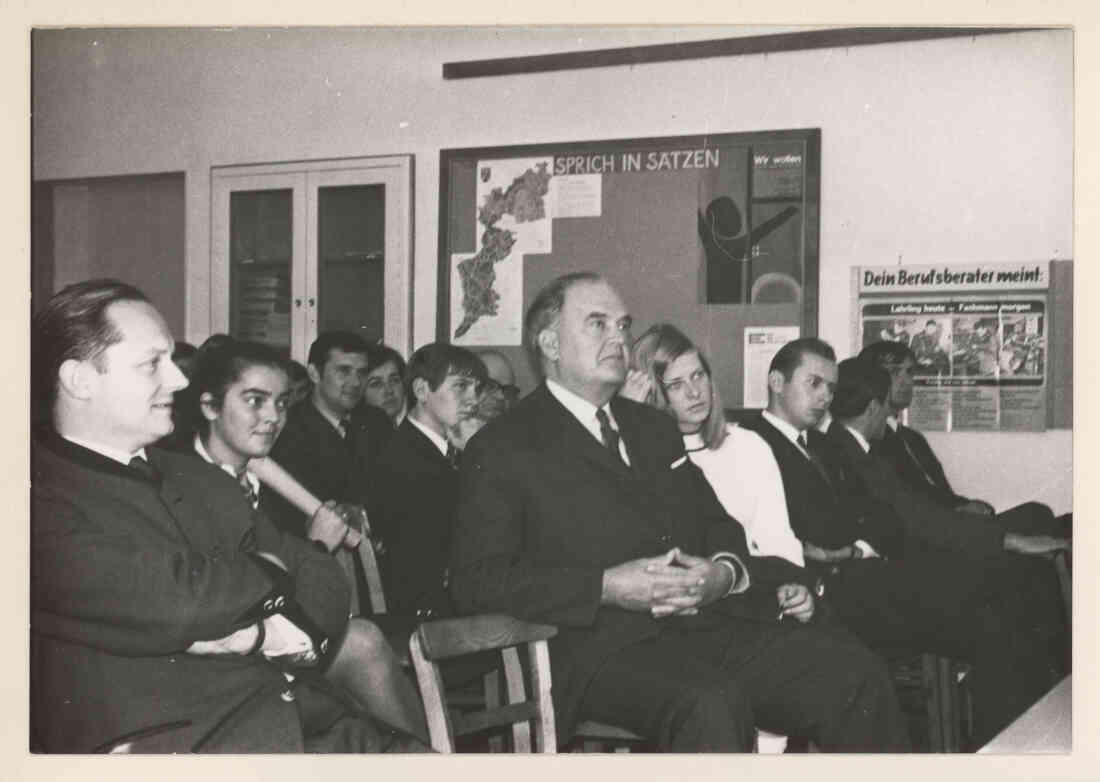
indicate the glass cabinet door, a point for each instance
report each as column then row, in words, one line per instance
column 351, row 259
column 261, row 253
column 301, row 248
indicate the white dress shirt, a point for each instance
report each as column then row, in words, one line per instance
column 585, row 412
column 438, row 441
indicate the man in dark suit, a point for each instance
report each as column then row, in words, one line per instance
column 331, row 442
column 417, row 480
column 916, row 463
column 581, row 509
column 895, row 579
column 164, row 610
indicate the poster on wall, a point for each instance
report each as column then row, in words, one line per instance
column 981, row 356
column 714, row 233
column 761, row 345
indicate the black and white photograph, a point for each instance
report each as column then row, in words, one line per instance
column 388, row 393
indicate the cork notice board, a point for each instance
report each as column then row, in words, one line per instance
column 712, row 233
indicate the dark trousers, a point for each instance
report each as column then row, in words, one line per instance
column 947, row 605
column 691, row 691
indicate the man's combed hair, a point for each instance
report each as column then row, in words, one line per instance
column 545, row 309
column 886, row 353
column 858, row 382
column 433, row 362
column 322, row 347
column 789, row 357
column 73, row 324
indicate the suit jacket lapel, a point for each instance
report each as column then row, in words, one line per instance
column 425, row 448
column 560, row 428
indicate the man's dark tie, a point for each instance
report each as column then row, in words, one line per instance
column 609, row 435
column 247, row 490
column 452, row 455
column 342, row 427
column 814, row 459
column 145, row 470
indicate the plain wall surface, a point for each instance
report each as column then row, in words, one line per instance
column 956, row 150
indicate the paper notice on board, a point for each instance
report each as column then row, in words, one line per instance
column 578, row 195
column 761, row 345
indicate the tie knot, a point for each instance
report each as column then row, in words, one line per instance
column 342, row 427
column 802, row 442
column 246, row 488
column 144, row 469
column 452, row 455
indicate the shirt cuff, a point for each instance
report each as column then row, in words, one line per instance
column 737, row 568
column 867, row 549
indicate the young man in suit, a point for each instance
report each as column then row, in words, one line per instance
column 581, row 509
column 418, row 478
column 916, row 463
column 164, row 610
column 331, row 442
column 896, row 577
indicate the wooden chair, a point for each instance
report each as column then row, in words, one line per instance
column 366, row 555
column 929, row 685
column 443, row 639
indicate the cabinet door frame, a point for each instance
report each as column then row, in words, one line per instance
column 304, row 179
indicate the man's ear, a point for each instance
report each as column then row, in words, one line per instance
column 314, row 375
column 208, row 406
column 776, row 381
column 77, row 379
column 548, row 344
column 420, row 389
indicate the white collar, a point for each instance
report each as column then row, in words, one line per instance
column 253, row 481
column 866, row 446
column 113, row 454
column 437, row 440
column 583, row 410
column 892, row 422
column 785, row 428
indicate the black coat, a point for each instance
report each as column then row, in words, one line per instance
column 417, row 494
column 824, row 510
column 544, row 509
column 125, row 576
column 329, row 466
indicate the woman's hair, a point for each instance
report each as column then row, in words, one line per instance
column 653, row 352
column 220, row 364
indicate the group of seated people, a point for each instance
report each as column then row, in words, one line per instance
column 707, row 579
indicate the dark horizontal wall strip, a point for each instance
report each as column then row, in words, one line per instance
column 724, row 47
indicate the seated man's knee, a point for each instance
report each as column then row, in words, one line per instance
column 717, row 719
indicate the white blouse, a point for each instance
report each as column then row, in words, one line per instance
column 745, row 477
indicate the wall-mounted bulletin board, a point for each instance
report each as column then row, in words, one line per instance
column 993, row 342
column 714, row 233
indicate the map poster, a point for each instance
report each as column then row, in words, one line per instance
column 512, row 218
column 981, row 361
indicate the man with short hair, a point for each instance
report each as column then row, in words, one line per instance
column 164, row 611
column 581, row 509
column 417, row 480
column 331, row 443
column 500, row 392
column 898, row 579
column 907, row 450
